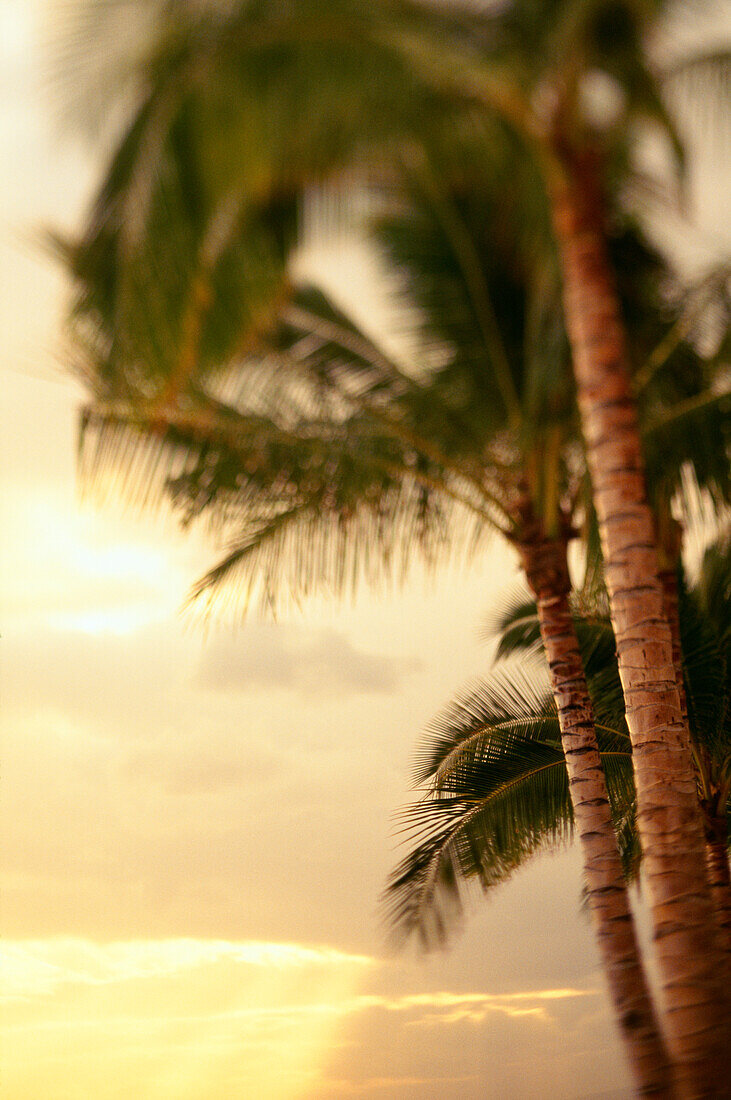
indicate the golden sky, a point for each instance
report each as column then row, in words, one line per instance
column 197, row 827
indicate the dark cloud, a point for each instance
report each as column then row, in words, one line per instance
column 308, row 661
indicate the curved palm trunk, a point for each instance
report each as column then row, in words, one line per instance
column 546, row 569
column 686, row 935
column 714, row 819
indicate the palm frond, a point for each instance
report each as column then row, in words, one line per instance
column 511, row 703
column 705, row 622
column 697, row 86
column 459, row 277
column 704, row 305
column 477, row 838
column 496, row 793
column 706, row 679
column 692, row 435
column 514, row 622
column 712, row 588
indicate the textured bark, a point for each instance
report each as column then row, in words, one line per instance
column 714, row 819
column 717, row 866
column 669, row 583
column 546, row 569
column 689, row 954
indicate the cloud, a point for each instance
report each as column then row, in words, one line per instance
column 36, row 968
column 192, row 1019
column 206, row 1019
column 198, row 1018
column 311, row 662
column 341, row 1087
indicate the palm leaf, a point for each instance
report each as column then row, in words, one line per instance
column 697, row 85
column 476, row 838
column 496, row 793
column 509, row 703
column 514, row 622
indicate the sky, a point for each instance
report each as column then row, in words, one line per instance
column 197, row 825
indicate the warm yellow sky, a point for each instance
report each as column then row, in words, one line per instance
column 197, row 829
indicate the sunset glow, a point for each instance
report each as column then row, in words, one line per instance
column 194, row 1018
column 179, row 1018
column 200, row 812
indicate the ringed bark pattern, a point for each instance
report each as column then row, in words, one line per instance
column 717, row 866
column 546, row 568
column 714, row 816
column 687, row 943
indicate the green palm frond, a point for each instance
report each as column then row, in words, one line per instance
column 624, row 818
column 514, row 622
column 323, row 504
column 317, row 545
column 694, row 434
column 470, row 840
column 712, row 588
column 320, row 429
column 496, row 794
column 705, row 620
column 508, row 704
column 468, row 287
column 701, row 316
column 707, row 680
column 593, row 590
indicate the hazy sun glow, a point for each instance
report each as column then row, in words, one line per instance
column 183, row 1018
column 78, row 573
column 201, row 1019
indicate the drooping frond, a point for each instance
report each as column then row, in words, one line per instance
column 694, row 435
column 327, row 505
column 479, row 836
column 496, row 793
column 318, row 546
column 707, row 678
column 700, row 319
column 510, row 703
column 474, row 292
column 712, row 588
column 705, row 625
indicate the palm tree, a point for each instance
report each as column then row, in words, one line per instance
column 382, row 464
column 493, row 777
column 193, row 148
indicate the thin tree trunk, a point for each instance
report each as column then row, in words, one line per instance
column 687, row 940
column 544, row 561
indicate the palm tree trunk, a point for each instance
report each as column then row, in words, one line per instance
column 717, row 866
column 688, row 946
column 669, row 584
column 714, row 819
column 546, row 569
